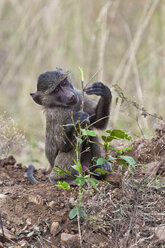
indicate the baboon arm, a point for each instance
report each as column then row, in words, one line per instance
column 101, row 116
column 102, row 110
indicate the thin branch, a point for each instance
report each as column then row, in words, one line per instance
column 135, row 104
column 3, row 234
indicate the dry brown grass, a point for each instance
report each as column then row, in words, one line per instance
column 122, row 40
column 11, row 138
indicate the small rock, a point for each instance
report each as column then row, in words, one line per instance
column 13, row 230
column 37, row 199
column 51, row 204
column 114, row 178
column 18, row 166
column 23, row 243
column 152, row 168
column 2, row 196
column 1, row 183
column 28, row 221
column 7, row 161
column 11, row 160
column 71, row 200
column 9, row 183
column 62, row 205
column 53, row 228
column 7, row 233
column 67, row 238
column 160, row 233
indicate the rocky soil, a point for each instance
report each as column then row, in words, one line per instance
column 131, row 213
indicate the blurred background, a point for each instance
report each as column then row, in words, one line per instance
column 120, row 42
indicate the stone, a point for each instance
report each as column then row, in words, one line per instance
column 51, row 204
column 28, row 221
column 53, row 228
column 160, row 233
column 37, row 199
column 67, row 238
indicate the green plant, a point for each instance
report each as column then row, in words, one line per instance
column 117, row 134
column 154, row 183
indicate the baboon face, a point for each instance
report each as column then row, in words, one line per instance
column 63, row 95
column 52, row 92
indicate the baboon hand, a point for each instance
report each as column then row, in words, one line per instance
column 81, row 117
column 98, row 89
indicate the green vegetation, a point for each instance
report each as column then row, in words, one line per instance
column 84, row 179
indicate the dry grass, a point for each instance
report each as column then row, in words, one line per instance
column 122, row 40
column 11, row 138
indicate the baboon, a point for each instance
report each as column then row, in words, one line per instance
column 62, row 106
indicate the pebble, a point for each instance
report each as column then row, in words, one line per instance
column 160, row 233
column 9, row 183
column 53, row 228
column 37, row 199
column 13, row 230
column 67, row 238
column 28, row 221
column 51, row 204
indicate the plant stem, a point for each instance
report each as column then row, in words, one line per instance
column 82, row 87
column 79, row 229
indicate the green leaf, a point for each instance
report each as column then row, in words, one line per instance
column 77, row 166
column 102, row 171
column 129, row 148
column 87, row 132
column 79, row 180
column 111, row 158
column 129, row 160
column 79, row 140
column 101, row 161
column 121, row 151
column 117, row 134
column 73, row 213
column 104, row 138
column 82, row 73
column 112, row 148
column 63, row 185
column 82, row 213
column 93, row 182
column 61, row 172
column 122, row 162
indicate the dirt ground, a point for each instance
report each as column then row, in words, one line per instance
column 131, row 213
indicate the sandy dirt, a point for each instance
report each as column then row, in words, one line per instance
column 131, row 213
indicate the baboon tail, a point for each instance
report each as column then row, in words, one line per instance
column 30, row 174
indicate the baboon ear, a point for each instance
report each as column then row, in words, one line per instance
column 36, row 97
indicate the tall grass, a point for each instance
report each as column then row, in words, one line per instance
column 123, row 40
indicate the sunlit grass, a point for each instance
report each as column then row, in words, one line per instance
column 39, row 35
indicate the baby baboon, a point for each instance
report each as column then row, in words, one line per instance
column 62, row 105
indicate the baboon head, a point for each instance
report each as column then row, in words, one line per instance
column 55, row 88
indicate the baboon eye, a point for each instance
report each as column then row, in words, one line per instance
column 63, row 83
column 56, row 89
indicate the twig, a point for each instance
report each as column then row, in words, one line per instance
column 135, row 104
column 82, row 87
column 79, row 229
column 133, row 213
column 93, row 77
column 3, row 234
